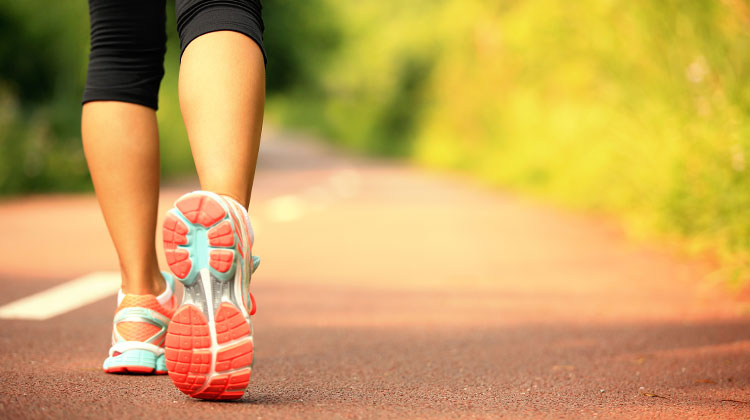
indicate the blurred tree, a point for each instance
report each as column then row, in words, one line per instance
column 42, row 49
column 28, row 63
column 300, row 36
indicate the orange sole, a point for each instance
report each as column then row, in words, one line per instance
column 189, row 353
column 135, row 369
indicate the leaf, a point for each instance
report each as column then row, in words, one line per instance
column 705, row 381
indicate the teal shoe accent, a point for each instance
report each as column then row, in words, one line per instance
column 169, row 279
column 199, row 249
column 161, row 364
column 133, row 361
column 256, row 263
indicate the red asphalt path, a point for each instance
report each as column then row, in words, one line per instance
column 388, row 292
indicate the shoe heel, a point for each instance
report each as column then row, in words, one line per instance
column 199, row 233
column 135, row 361
column 189, row 353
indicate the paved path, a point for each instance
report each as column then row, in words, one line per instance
column 387, row 292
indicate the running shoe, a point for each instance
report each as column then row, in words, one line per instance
column 209, row 346
column 138, row 333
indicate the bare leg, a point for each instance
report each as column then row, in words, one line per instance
column 121, row 143
column 222, row 93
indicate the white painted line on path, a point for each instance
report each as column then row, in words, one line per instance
column 63, row 298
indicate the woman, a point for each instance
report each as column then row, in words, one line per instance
column 205, row 344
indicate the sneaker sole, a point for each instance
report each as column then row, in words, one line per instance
column 209, row 342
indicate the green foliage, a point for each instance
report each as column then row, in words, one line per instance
column 39, row 74
column 298, row 37
column 635, row 108
column 368, row 91
column 43, row 56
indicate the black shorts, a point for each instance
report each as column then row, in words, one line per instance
column 128, row 42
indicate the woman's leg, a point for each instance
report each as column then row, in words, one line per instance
column 121, row 143
column 208, row 237
column 118, row 127
column 222, row 93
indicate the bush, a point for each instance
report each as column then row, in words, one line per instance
column 634, row 108
column 40, row 72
